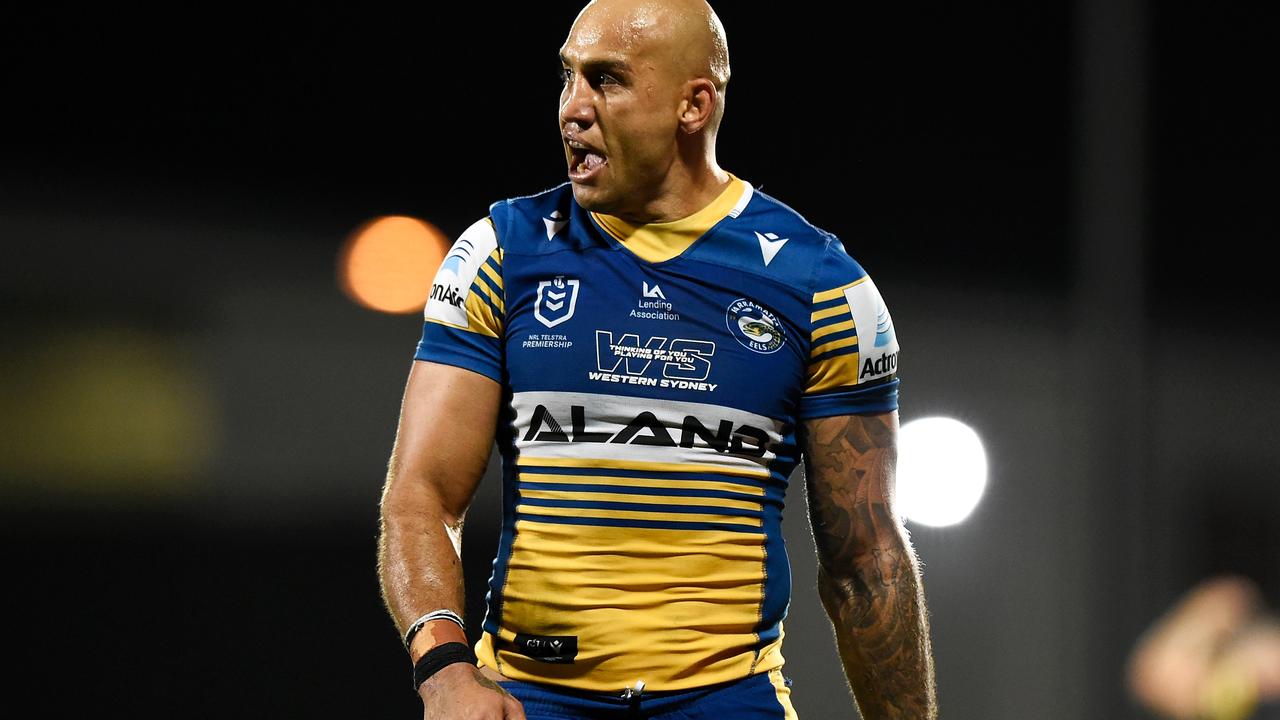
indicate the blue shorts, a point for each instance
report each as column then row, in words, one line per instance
column 765, row 696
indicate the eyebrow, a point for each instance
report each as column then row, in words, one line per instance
column 613, row 67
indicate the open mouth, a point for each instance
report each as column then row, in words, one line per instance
column 585, row 162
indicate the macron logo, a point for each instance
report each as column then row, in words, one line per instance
column 770, row 245
column 653, row 292
column 554, row 224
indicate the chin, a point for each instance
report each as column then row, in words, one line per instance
column 594, row 199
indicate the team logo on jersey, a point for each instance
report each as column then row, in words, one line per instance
column 754, row 327
column 556, row 301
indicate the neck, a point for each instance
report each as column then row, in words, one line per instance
column 690, row 184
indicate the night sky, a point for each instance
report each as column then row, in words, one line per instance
column 934, row 140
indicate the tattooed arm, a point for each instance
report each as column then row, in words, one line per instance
column 868, row 577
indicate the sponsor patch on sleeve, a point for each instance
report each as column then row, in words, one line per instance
column 877, row 342
column 452, row 285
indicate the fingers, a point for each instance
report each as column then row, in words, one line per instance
column 507, row 710
column 513, row 709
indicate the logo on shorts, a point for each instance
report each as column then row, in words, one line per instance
column 556, row 301
column 754, row 327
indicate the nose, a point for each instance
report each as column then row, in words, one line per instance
column 577, row 103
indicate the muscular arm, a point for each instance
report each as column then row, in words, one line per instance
column 868, row 576
column 442, row 446
column 441, row 450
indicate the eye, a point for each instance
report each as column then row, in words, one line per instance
column 601, row 79
column 566, row 76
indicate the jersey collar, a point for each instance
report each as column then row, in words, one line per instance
column 659, row 242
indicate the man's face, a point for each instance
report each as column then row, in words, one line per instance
column 619, row 111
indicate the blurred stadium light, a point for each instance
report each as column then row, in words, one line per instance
column 104, row 412
column 942, row 471
column 387, row 264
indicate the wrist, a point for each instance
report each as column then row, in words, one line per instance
column 448, row 675
column 439, row 658
column 429, row 617
column 432, row 635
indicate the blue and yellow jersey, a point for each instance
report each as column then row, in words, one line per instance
column 653, row 378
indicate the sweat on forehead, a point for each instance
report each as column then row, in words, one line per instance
column 687, row 32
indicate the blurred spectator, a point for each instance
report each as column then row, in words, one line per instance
column 1214, row 656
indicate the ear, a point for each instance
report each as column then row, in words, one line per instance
column 698, row 106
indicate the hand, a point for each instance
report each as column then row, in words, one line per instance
column 1217, row 646
column 460, row 692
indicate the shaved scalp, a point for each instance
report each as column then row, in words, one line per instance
column 686, row 33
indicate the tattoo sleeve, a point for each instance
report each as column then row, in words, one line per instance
column 868, row 575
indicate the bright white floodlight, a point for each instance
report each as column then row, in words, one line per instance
column 942, row 471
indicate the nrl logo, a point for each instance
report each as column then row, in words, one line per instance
column 556, row 301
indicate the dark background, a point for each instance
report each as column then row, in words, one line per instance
column 1068, row 206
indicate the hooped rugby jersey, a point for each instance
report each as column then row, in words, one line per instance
column 653, row 378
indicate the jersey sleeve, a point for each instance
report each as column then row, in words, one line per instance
column 853, row 355
column 466, row 313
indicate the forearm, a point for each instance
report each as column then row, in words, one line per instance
column 876, row 604
column 419, row 554
column 420, row 569
column 868, row 577
column 431, row 478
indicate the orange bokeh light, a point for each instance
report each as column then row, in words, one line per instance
column 388, row 264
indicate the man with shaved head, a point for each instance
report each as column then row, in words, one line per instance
column 655, row 345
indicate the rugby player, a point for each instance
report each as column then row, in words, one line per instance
column 654, row 345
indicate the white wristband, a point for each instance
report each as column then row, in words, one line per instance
column 442, row 614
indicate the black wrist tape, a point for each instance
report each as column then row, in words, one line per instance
column 438, row 657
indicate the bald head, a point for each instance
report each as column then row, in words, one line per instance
column 684, row 36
